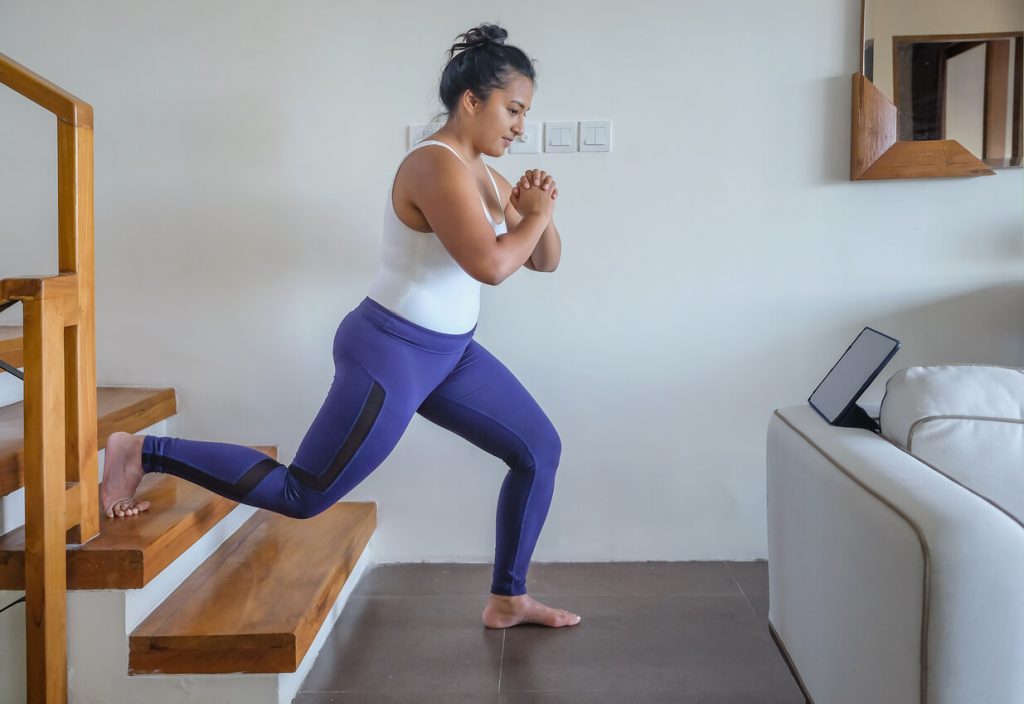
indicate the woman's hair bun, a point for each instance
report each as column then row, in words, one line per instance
column 478, row 36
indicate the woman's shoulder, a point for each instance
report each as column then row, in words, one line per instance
column 431, row 157
column 437, row 161
column 430, row 172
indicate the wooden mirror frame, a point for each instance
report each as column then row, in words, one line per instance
column 875, row 151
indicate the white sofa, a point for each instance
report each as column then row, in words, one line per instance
column 896, row 561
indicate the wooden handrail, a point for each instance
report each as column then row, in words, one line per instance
column 59, row 356
column 22, row 287
column 74, row 111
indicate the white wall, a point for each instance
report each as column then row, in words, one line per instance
column 714, row 266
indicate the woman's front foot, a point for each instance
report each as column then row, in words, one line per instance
column 506, row 611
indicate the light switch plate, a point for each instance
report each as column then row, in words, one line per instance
column 559, row 136
column 417, row 133
column 596, row 136
column 529, row 141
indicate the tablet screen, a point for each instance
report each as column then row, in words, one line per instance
column 853, row 373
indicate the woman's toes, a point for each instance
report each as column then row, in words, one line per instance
column 570, row 618
column 121, row 509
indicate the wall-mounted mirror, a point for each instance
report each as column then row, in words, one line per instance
column 940, row 89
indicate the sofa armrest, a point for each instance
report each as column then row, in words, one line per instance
column 888, row 581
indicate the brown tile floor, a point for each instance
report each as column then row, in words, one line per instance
column 652, row 633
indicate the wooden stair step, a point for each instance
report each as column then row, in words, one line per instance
column 258, row 602
column 117, row 409
column 11, row 346
column 129, row 552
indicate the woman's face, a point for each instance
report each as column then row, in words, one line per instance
column 500, row 119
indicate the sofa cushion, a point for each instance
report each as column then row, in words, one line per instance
column 967, row 421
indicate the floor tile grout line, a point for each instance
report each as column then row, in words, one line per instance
column 501, row 659
column 744, row 593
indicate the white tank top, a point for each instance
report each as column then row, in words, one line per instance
column 417, row 277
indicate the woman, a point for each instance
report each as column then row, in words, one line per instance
column 408, row 347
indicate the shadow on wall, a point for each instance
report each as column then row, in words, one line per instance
column 982, row 327
column 836, row 131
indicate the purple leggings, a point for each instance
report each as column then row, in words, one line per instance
column 386, row 369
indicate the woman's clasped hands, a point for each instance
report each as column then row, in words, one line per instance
column 535, row 192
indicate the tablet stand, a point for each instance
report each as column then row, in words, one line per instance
column 857, row 417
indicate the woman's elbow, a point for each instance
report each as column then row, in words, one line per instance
column 494, row 273
column 488, row 277
column 493, row 279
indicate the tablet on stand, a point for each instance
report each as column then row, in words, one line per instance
column 835, row 398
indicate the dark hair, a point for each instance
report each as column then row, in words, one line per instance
column 486, row 62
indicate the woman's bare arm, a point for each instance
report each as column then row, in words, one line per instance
column 548, row 250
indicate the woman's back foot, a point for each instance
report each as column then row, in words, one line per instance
column 122, row 473
column 507, row 611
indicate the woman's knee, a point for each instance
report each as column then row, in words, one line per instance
column 311, row 494
column 545, row 447
column 555, row 441
column 310, row 508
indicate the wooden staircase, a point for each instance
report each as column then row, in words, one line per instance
column 196, row 585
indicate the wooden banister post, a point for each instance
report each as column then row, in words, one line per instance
column 75, row 251
column 45, row 562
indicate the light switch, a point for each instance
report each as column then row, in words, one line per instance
column 529, row 141
column 596, row 136
column 560, row 136
column 417, row 133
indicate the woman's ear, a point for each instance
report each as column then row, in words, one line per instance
column 471, row 102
